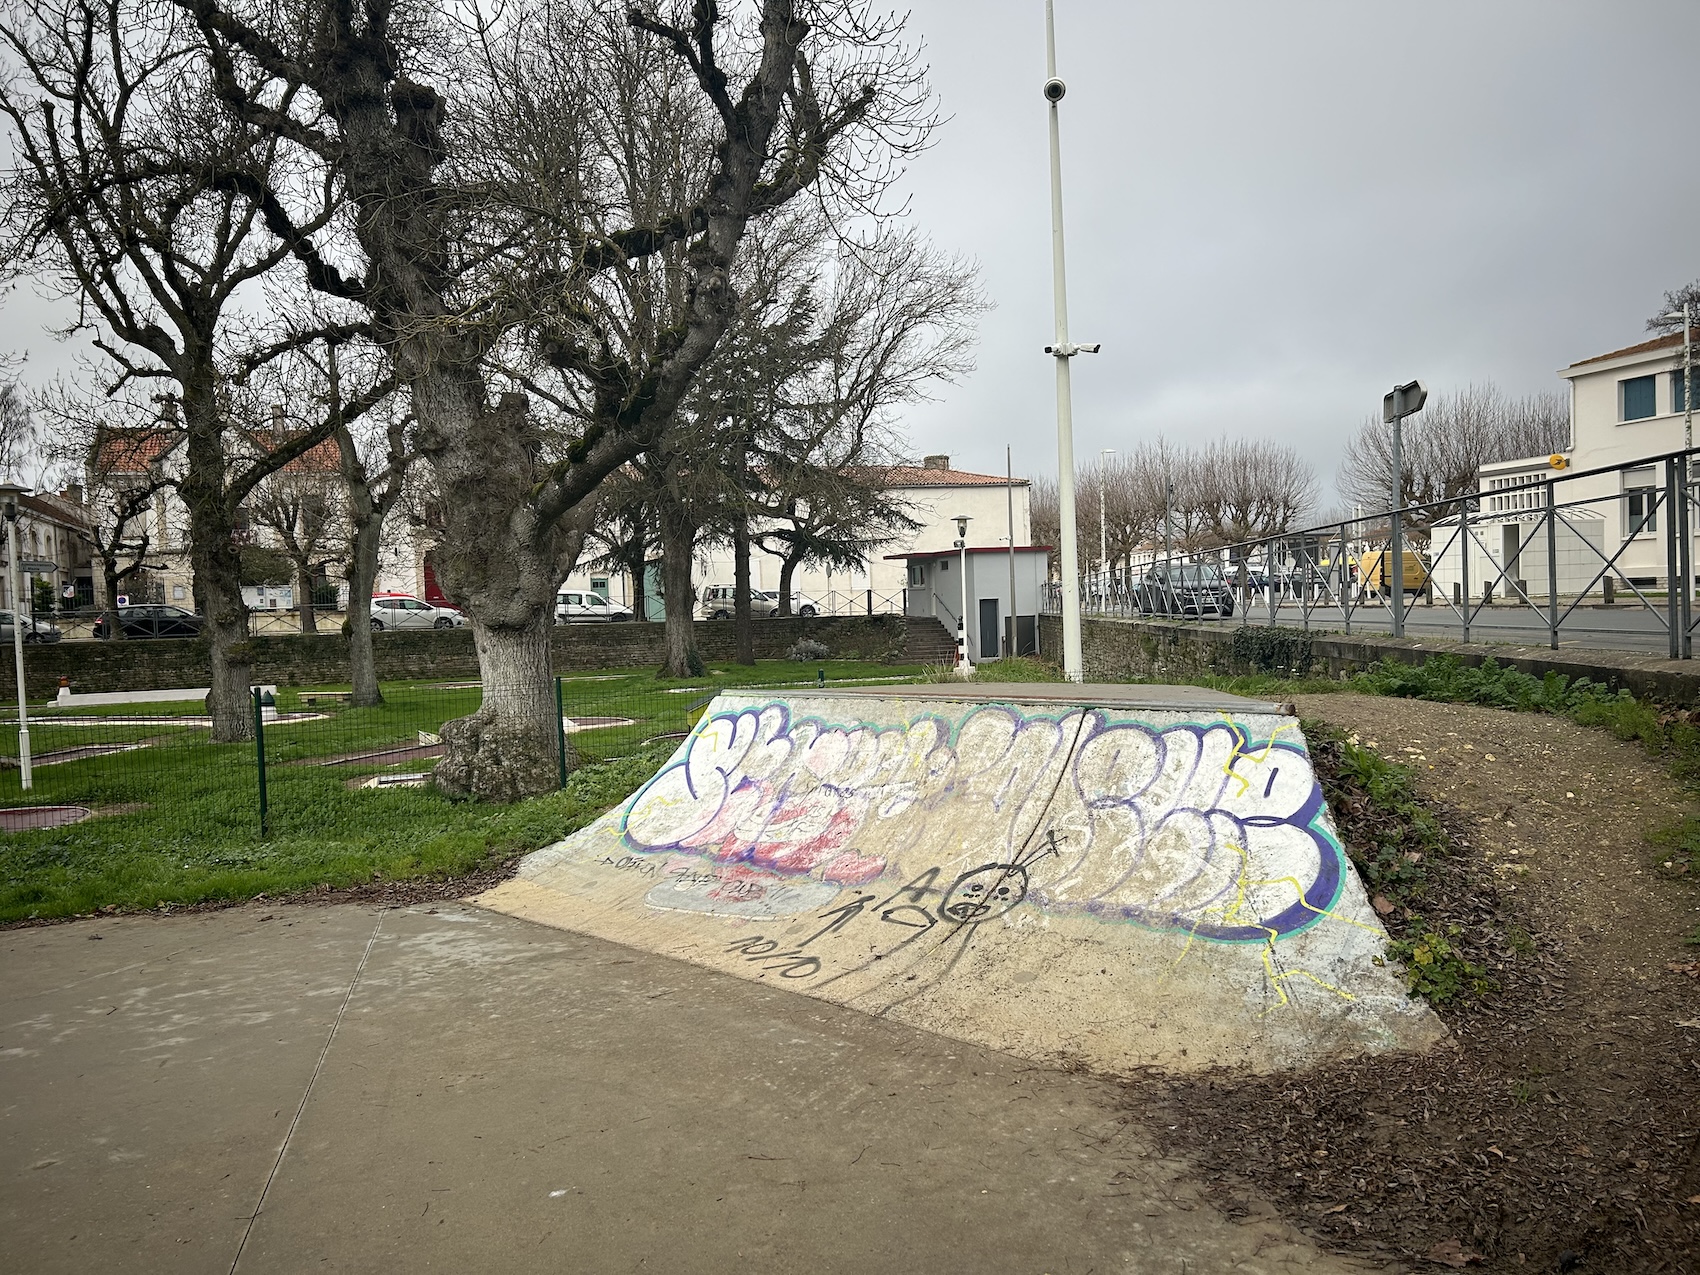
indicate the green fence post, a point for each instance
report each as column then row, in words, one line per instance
column 561, row 731
column 260, row 755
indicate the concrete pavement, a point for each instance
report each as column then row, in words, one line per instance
column 339, row 1088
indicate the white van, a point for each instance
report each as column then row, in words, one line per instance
column 573, row 606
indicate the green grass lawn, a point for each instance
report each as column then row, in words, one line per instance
column 178, row 820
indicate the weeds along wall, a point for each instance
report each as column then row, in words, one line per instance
column 1117, row 650
column 318, row 659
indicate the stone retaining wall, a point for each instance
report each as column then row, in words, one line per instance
column 1115, row 650
column 312, row 659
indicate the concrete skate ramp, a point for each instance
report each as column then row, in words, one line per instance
column 1125, row 876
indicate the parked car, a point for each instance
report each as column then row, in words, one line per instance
column 718, row 602
column 1185, row 590
column 34, row 630
column 572, row 606
column 153, row 620
column 404, row 611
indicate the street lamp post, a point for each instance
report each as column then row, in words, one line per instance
column 1686, row 315
column 964, row 665
column 1402, row 401
column 1063, row 350
column 1679, row 516
column 9, row 493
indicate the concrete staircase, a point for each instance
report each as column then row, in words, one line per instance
column 928, row 642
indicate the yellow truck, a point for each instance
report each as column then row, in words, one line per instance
column 1375, row 570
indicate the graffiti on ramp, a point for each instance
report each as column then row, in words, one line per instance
column 907, row 858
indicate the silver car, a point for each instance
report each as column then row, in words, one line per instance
column 35, row 631
column 400, row 611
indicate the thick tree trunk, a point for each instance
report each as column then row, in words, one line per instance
column 787, row 569
column 304, row 600
column 218, row 571
column 678, row 541
column 509, row 748
column 109, row 598
column 500, row 568
column 743, row 615
column 362, row 571
column 634, row 564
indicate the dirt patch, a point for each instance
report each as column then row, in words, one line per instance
column 1560, row 1131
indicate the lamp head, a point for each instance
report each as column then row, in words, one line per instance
column 962, row 521
column 9, row 493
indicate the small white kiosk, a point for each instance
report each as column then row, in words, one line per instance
column 934, row 587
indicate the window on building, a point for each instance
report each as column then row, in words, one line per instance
column 1639, row 395
column 1642, row 500
column 917, row 575
column 1678, row 390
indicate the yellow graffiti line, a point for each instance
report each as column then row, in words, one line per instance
column 1275, row 981
column 1259, row 758
column 1230, row 915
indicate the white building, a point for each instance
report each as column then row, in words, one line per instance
column 933, row 495
column 1624, row 406
column 996, row 584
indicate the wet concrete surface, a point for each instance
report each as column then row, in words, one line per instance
column 339, row 1088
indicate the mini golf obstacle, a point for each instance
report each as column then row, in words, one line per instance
column 1124, row 876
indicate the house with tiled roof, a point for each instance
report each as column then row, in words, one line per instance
column 128, row 458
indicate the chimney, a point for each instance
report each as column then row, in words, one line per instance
column 935, row 462
column 277, row 423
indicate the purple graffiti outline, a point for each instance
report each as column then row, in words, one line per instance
column 1314, row 902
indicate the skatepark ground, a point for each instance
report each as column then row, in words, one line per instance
column 440, row 1087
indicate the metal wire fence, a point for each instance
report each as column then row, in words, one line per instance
column 1604, row 557
column 152, row 753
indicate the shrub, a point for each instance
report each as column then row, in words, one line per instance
column 1448, row 679
column 805, row 649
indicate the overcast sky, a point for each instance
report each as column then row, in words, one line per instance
column 1277, row 210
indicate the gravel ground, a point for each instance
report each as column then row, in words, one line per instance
column 1559, row 1132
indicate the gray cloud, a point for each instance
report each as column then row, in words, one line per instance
column 1276, row 211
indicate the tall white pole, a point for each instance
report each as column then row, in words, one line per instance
column 1688, row 374
column 1014, row 610
column 1067, row 550
column 967, row 665
column 18, row 652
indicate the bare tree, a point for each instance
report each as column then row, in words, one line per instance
column 116, row 449
column 375, row 473
column 128, row 194
column 1251, row 488
column 17, row 432
column 796, row 95
column 1445, row 446
column 303, row 507
column 1689, row 295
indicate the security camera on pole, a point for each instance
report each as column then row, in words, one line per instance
column 964, row 665
column 1062, row 350
column 1404, row 400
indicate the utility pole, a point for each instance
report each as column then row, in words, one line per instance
column 1062, row 350
column 1014, row 609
